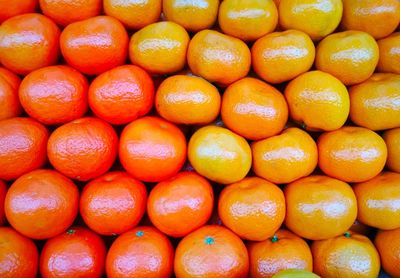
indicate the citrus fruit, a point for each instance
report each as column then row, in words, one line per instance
column 3, row 192
column 392, row 140
column 9, row 102
column 389, row 54
column 388, row 245
column 16, row 7
column 295, row 273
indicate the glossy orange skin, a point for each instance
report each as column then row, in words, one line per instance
column 254, row 109
column 189, row 100
column 83, row 149
column 247, row 20
column 18, row 255
column 141, row 252
column 194, row 16
column 242, row 208
column 28, row 42
column 286, row 157
column 388, row 245
column 152, row 149
column 181, row 204
column 219, row 154
column 78, row 252
column 356, row 148
column 65, row 12
column 22, row 147
column 392, row 140
column 3, row 192
column 350, row 56
column 121, row 94
column 389, row 54
column 218, row 57
column 9, row 102
column 285, row 251
column 113, row 203
column 346, row 256
column 319, row 207
column 42, row 204
column 375, row 102
column 281, row 56
column 16, row 7
column 54, row 95
column 94, row 45
column 378, row 201
column 379, row 18
column 159, row 48
column 211, row 251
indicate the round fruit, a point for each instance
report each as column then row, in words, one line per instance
column 392, row 140
column 283, row 251
column 351, row 154
column 3, row 192
column 181, row 204
column 54, row 95
column 9, row 102
column 16, row 7
column 78, row 252
column 286, row 157
column 159, row 48
column 141, row 252
column 28, row 42
column 281, row 56
column 152, row 149
column 389, row 54
column 42, row 204
column 319, row 207
column 318, row 101
column 295, row 273
column 219, row 154
column 218, row 57
column 211, row 251
column 83, row 149
column 113, row 203
column 254, row 109
column 388, row 245
column 22, row 147
column 94, row 45
column 122, row 94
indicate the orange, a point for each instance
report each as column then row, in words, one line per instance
column 389, row 54
column 189, row 100
column 388, row 245
column 319, row 207
column 132, row 13
column 9, row 102
column 18, row 255
column 83, row 149
column 286, row 157
column 22, row 147
column 113, row 203
column 351, row 154
column 54, row 95
column 378, row 201
column 141, row 252
column 211, row 251
column 181, row 204
column 295, row 273
column 317, row 18
column 78, row 252
column 65, row 12
column 247, row 20
column 350, row 56
column 318, row 101
column 284, row 250
column 219, row 154
column 348, row 255
column 379, row 18
column 16, row 7
column 94, row 45
column 392, row 140
column 218, row 57
column 254, row 109
column 3, row 192
column 159, row 48
column 121, row 94
column 152, row 149
column 243, row 208
column 375, row 102
column 281, row 56
column 42, row 204
column 194, row 16
column 28, row 42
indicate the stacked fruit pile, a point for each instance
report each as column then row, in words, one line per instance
column 205, row 138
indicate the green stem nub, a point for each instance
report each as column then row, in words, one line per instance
column 139, row 233
column 274, row 239
column 70, row 232
column 347, row 234
column 209, row 240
